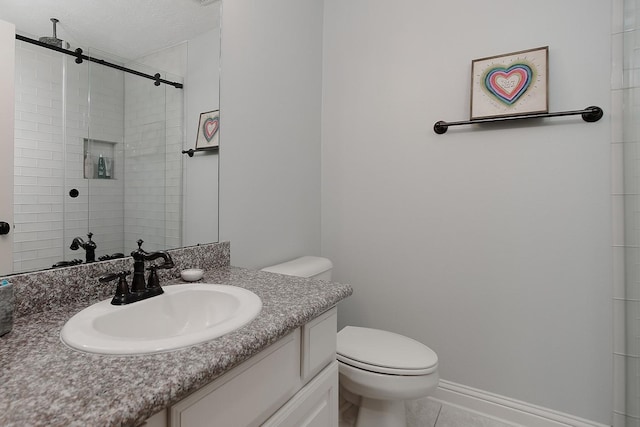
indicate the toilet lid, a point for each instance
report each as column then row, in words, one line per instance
column 384, row 352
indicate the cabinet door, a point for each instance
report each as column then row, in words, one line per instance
column 249, row 393
column 7, row 123
column 319, row 343
column 316, row 405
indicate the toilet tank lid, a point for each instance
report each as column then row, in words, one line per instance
column 306, row 266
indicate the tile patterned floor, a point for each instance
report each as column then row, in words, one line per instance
column 429, row 413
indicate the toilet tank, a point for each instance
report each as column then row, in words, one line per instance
column 307, row 266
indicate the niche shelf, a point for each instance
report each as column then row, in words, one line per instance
column 94, row 148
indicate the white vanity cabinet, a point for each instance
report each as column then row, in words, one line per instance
column 293, row 382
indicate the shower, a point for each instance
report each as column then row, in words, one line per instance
column 54, row 40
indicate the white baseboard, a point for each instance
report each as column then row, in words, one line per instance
column 500, row 407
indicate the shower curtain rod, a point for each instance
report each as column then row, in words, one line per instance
column 80, row 56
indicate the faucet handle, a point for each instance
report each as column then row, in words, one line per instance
column 153, row 283
column 152, row 280
column 108, row 277
column 90, row 243
column 139, row 253
column 122, row 295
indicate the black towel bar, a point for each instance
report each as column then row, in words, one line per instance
column 589, row 114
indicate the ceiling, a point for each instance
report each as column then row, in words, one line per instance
column 127, row 28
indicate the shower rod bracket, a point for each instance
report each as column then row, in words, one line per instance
column 78, row 56
column 589, row 114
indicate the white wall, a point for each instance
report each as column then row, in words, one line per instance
column 270, row 129
column 202, row 87
column 491, row 244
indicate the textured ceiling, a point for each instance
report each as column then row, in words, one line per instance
column 128, row 28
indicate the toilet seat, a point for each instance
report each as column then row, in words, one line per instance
column 384, row 369
column 384, row 352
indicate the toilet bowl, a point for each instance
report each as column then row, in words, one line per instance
column 378, row 369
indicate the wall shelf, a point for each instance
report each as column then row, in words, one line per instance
column 589, row 114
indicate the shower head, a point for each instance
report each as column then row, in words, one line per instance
column 54, row 41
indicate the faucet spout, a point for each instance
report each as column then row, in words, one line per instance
column 77, row 243
column 168, row 261
column 89, row 246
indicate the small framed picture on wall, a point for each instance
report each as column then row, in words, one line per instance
column 511, row 84
column 208, row 130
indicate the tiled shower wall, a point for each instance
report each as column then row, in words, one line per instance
column 153, row 173
column 43, row 208
column 38, row 158
column 625, row 84
column 106, row 123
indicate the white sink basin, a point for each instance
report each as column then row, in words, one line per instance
column 184, row 315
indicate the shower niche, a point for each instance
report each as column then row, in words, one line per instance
column 99, row 159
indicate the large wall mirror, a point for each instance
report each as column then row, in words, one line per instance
column 98, row 151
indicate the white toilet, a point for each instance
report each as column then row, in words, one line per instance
column 378, row 369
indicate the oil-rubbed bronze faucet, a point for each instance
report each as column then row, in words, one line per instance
column 89, row 246
column 139, row 288
column 122, row 296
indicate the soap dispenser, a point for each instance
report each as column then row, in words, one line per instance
column 102, row 169
column 88, row 166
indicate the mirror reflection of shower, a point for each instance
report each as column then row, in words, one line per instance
column 72, row 112
column 54, row 40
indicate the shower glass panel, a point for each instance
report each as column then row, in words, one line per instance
column 75, row 194
column 50, row 107
column 134, row 141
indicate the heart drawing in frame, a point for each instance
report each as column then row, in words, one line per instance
column 208, row 130
column 512, row 84
column 508, row 84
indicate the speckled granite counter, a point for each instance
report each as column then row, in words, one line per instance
column 43, row 382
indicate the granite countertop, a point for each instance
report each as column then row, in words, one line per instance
column 44, row 382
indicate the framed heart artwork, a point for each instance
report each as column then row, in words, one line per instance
column 511, row 84
column 208, row 130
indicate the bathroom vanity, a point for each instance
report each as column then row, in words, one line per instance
column 278, row 370
column 299, row 370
